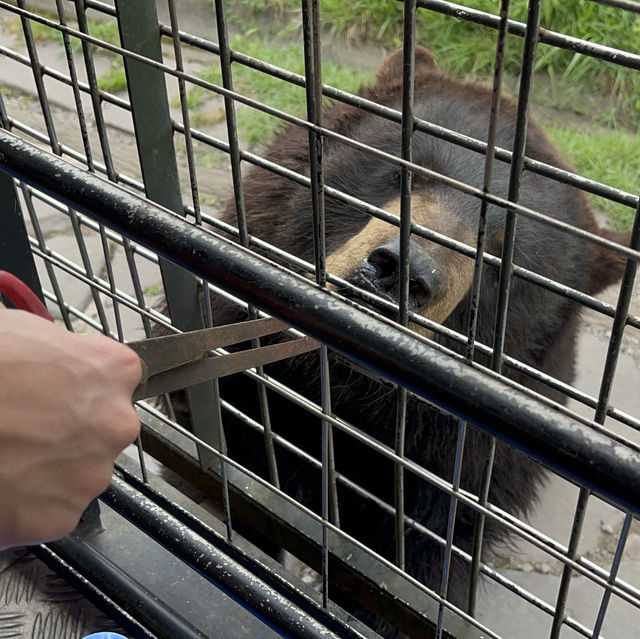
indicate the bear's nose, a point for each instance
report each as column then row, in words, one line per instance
column 425, row 276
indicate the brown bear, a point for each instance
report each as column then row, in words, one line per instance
column 541, row 325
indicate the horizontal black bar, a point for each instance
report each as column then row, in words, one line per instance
column 220, row 569
column 123, row 600
column 482, row 398
column 627, row 5
column 262, row 572
column 354, row 572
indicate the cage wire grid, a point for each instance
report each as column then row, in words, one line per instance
column 94, row 277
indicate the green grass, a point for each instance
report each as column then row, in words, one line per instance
column 610, row 157
column 214, row 160
column 209, row 200
column 104, row 30
column 255, row 126
column 467, row 50
column 153, row 289
column 114, row 80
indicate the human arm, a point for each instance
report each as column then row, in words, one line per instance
column 65, row 414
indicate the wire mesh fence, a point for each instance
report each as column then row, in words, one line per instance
column 459, row 458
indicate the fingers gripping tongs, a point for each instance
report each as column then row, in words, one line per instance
column 177, row 361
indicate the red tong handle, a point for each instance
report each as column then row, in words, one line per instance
column 21, row 296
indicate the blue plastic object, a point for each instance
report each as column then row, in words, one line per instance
column 104, row 635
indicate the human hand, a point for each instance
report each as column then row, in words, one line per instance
column 65, row 414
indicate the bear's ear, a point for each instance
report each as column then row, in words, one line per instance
column 606, row 267
column 391, row 69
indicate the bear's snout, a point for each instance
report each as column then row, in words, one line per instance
column 439, row 277
column 381, row 272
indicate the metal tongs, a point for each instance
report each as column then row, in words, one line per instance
column 173, row 362
column 185, row 359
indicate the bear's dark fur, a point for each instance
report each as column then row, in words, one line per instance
column 541, row 327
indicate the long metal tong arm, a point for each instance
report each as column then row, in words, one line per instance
column 221, row 365
column 177, row 361
column 171, row 351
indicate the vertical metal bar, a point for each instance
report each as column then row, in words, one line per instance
column 504, row 283
column 135, row 281
column 94, row 91
column 517, row 163
column 195, row 199
column 475, row 292
column 226, row 501
column 313, row 79
column 451, row 523
column 230, row 114
column 399, row 445
column 184, row 106
column 488, row 174
column 36, row 68
column 88, row 268
column 613, row 350
column 140, row 32
column 313, row 94
column 112, row 283
column 15, row 252
column 27, row 195
column 406, row 178
column 77, row 98
column 328, row 477
column 143, row 465
column 624, row 299
column 238, row 193
column 572, row 552
column 100, row 125
column 615, row 566
column 217, row 408
column 619, row 323
column 4, row 117
column 96, row 102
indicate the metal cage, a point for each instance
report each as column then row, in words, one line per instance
column 109, row 209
